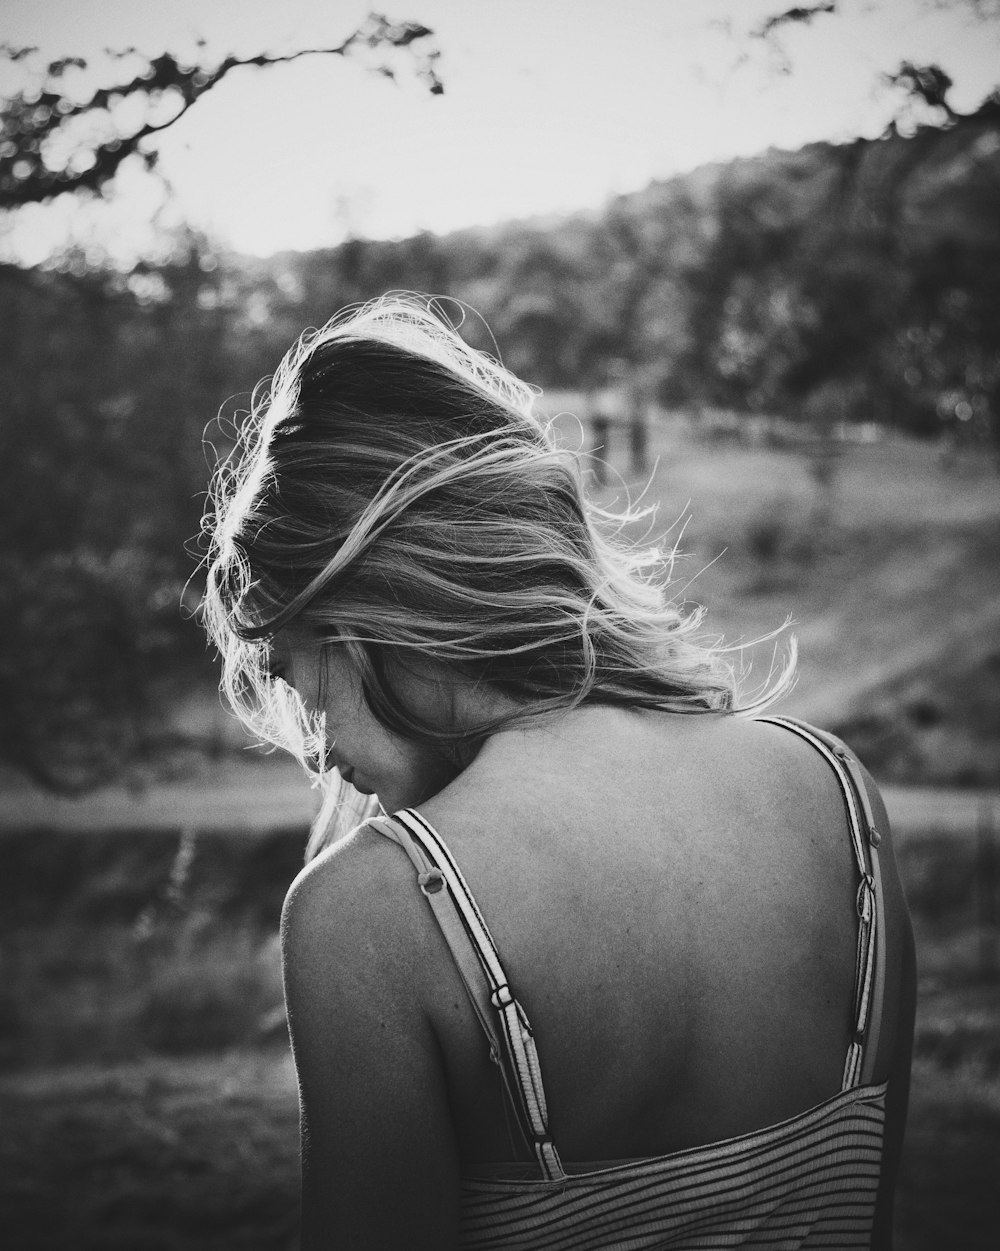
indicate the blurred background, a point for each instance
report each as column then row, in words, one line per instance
column 749, row 253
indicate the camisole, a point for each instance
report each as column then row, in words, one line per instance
column 807, row 1182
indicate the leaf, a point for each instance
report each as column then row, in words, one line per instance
column 409, row 31
column 13, row 53
column 56, row 69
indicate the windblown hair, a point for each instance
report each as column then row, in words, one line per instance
column 393, row 493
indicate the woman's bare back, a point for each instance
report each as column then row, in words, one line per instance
column 674, row 900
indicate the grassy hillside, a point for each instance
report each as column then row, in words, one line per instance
column 885, row 558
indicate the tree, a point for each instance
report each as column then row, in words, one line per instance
column 108, row 380
column 924, row 112
column 819, row 296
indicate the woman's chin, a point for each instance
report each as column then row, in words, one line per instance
column 405, row 792
column 393, row 798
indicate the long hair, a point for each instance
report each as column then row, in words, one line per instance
column 394, row 493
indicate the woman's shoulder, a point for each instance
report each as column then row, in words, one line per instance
column 355, row 906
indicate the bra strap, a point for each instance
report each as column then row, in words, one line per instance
column 869, row 985
column 512, row 1046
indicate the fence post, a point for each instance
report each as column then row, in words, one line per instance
column 638, row 430
column 600, row 426
column 986, row 888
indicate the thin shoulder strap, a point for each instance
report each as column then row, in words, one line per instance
column 869, row 992
column 475, row 953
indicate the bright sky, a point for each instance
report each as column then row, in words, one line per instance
column 549, row 105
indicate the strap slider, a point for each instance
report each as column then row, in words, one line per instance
column 431, row 882
column 874, row 836
column 502, row 997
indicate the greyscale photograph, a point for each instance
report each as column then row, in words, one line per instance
column 500, row 633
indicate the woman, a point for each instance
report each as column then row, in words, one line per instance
column 698, row 911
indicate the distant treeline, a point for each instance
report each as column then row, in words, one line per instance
column 855, row 282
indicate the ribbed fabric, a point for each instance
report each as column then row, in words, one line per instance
column 809, row 1182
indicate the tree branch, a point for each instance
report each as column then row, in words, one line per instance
column 800, row 14
column 31, row 120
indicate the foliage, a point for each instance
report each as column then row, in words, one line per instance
column 107, row 384
column 157, row 940
column 53, row 142
column 859, row 269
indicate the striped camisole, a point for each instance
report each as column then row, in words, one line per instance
column 808, row 1182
